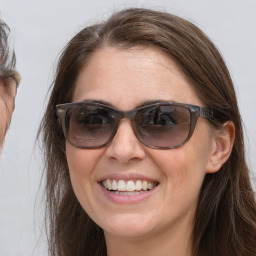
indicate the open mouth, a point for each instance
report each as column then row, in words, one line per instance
column 129, row 187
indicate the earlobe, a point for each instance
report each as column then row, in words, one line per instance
column 222, row 147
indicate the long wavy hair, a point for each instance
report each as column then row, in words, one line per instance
column 225, row 219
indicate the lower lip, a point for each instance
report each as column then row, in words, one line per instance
column 127, row 199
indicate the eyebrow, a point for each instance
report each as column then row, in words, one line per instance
column 148, row 102
column 142, row 104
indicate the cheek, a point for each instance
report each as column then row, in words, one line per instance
column 184, row 168
column 184, row 173
column 180, row 167
column 7, row 96
column 5, row 119
column 81, row 164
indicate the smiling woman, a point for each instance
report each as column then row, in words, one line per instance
column 144, row 145
column 9, row 79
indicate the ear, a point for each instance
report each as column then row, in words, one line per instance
column 222, row 147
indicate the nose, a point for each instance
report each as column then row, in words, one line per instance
column 125, row 146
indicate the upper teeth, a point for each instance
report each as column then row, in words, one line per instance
column 130, row 185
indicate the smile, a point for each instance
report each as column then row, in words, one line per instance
column 129, row 187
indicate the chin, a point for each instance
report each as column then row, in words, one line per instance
column 128, row 225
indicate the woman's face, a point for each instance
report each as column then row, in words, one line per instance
column 126, row 79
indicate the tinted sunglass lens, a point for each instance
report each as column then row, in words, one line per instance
column 163, row 126
column 89, row 126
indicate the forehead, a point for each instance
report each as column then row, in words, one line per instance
column 126, row 77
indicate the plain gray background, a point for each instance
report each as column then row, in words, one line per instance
column 40, row 29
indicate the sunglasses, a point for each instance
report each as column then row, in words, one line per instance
column 162, row 125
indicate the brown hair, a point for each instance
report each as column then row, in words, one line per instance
column 225, row 221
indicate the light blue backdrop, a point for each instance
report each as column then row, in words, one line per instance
column 40, row 30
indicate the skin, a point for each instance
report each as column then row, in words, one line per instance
column 162, row 223
column 8, row 88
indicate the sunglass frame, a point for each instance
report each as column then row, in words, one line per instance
column 194, row 110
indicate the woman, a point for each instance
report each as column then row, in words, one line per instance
column 144, row 145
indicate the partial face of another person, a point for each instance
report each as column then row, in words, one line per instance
column 8, row 88
column 125, row 79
